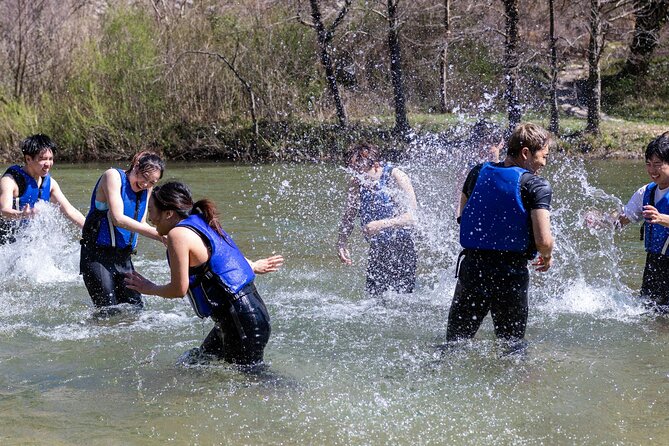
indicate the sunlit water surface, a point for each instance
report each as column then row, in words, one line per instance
column 343, row 368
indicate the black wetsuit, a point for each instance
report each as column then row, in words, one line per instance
column 391, row 264
column 242, row 325
column 103, row 270
column 655, row 284
column 496, row 281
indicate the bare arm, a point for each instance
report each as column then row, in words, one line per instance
column 111, row 188
column 403, row 220
column 347, row 220
column 463, row 202
column 66, row 208
column 543, row 238
column 9, row 190
column 180, row 241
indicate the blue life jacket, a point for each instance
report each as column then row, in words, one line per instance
column 656, row 237
column 377, row 204
column 29, row 191
column 99, row 227
column 225, row 273
column 494, row 217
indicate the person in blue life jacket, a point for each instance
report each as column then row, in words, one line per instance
column 21, row 187
column 504, row 222
column 116, row 217
column 206, row 264
column 383, row 197
column 650, row 205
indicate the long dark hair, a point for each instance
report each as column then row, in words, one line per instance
column 176, row 196
column 147, row 161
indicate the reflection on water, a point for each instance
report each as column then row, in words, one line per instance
column 344, row 368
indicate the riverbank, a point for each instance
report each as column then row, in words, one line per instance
column 301, row 141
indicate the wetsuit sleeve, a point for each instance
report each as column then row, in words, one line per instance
column 470, row 181
column 536, row 192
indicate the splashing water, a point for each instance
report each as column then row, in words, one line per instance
column 46, row 250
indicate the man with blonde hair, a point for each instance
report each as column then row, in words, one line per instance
column 504, row 222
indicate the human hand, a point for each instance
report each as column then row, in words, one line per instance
column 135, row 281
column 543, row 264
column 267, row 265
column 28, row 212
column 652, row 215
column 344, row 255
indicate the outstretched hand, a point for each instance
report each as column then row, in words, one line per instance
column 267, row 265
column 543, row 264
column 135, row 281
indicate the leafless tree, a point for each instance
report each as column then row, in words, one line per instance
column 325, row 36
column 650, row 18
column 554, row 125
column 443, row 57
column 511, row 62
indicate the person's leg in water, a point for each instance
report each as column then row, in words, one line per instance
column 655, row 283
column 403, row 259
column 124, row 295
column 509, row 307
column 378, row 269
column 239, row 336
column 471, row 301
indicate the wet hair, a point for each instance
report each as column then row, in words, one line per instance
column 659, row 147
column 363, row 155
column 529, row 135
column 36, row 144
column 176, row 196
column 485, row 133
column 147, row 161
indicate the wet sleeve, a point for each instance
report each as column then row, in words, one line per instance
column 634, row 207
column 470, row 181
column 537, row 193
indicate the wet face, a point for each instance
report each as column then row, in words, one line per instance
column 658, row 171
column 40, row 164
column 142, row 180
column 162, row 220
column 537, row 160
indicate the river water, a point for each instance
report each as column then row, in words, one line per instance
column 343, row 368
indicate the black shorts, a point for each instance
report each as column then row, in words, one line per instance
column 242, row 329
column 392, row 264
column 655, row 285
column 490, row 282
column 104, row 270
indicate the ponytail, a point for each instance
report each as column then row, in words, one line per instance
column 207, row 209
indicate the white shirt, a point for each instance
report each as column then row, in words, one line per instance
column 634, row 207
